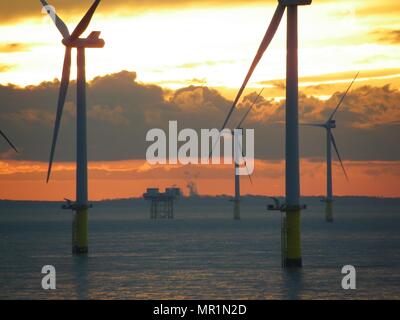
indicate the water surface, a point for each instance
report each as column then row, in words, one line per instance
column 202, row 254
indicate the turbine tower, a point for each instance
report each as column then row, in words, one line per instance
column 8, row 141
column 81, row 207
column 331, row 141
column 236, row 135
column 292, row 207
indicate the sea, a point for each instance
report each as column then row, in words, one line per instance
column 201, row 254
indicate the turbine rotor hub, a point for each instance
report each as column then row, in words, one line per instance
column 331, row 124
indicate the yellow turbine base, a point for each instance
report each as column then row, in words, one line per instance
column 80, row 237
column 329, row 211
column 293, row 240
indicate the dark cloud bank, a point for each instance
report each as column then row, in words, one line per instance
column 122, row 110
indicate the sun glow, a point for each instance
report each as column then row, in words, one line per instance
column 210, row 46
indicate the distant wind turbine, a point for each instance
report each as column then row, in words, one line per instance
column 238, row 147
column 8, row 141
column 80, row 224
column 292, row 255
column 331, row 141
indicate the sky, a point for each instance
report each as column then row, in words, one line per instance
column 184, row 60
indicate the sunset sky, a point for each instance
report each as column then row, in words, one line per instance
column 184, row 60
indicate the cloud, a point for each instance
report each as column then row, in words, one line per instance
column 5, row 67
column 387, row 36
column 22, row 9
column 192, row 65
column 324, row 85
column 373, row 8
column 338, row 77
column 26, row 180
column 14, row 47
column 122, row 110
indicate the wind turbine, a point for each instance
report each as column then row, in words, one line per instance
column 237, row 134
column 8, row 141
column 81, row 207
column 330, row 141
column 292, row 207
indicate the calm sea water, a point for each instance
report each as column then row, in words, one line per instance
column 202, row 254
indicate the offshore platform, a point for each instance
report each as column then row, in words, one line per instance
column 162, row 203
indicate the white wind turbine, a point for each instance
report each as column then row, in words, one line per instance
column 80, row 224
column 331, row 141
column 292, row 207
column 237, row 135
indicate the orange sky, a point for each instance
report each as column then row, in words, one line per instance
column 207, row 42
column 125, row 179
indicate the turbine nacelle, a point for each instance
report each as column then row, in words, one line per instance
column 295, row 2
column 331, row 124
column 93, row 41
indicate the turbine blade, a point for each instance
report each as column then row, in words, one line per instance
column 312, row 125
column 61, row 26
column 248, row 111
column 60, row 107
column 273, row 27
column 248, row 173
column 343, row 97
column 8, row 141
column 338, row 154
column 84, row 23
column 245, row 163
column 269, row 35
